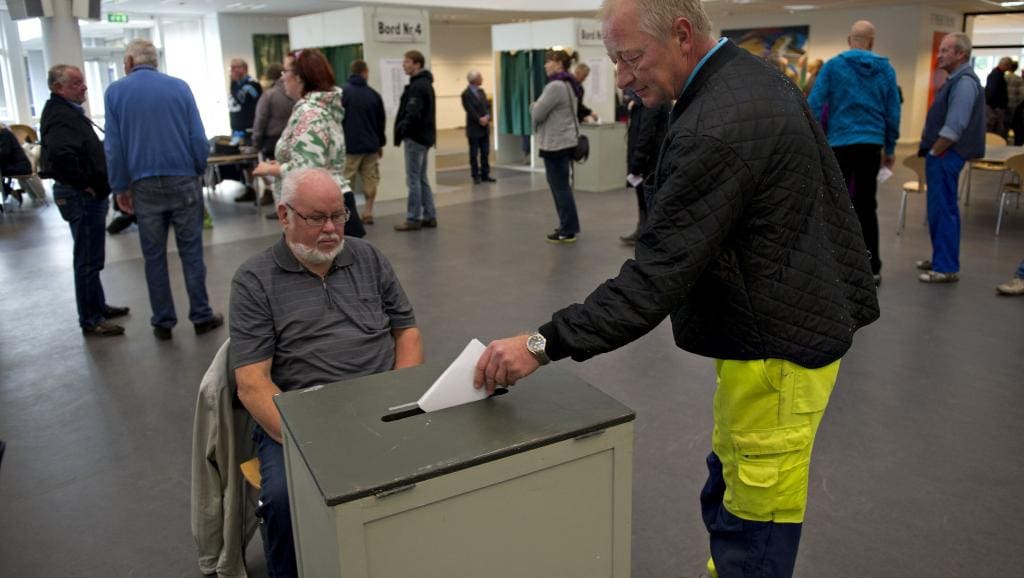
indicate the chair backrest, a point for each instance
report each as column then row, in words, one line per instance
column 1016, row 164
column 25, row 133
column 992, row 138
column 916, row 164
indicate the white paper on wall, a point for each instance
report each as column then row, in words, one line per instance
column 392, row 82
column 598, row 85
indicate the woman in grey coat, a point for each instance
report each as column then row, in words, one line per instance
column 554, row 123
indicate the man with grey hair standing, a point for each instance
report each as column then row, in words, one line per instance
column 478, row 122
column 863, row 124
column 954, row 132
column 752, row 248
column 156, row 153
column 73, row 157
column 315, row 308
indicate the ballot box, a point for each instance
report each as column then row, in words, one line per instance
column 535, row 482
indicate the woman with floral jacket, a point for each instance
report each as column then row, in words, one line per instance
column 313, row 137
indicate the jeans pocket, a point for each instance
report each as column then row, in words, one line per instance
column 69, row 205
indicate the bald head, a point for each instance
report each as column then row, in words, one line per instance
column 862, row 35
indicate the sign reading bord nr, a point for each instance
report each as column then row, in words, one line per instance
column 398, row 29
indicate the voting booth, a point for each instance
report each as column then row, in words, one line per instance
column 385, row 34
column 580, row 36
column 534, row 482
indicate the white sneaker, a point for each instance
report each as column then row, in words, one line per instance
column 1014, row 286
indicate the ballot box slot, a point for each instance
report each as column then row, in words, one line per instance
column 414, row 411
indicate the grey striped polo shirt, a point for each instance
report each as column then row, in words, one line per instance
column 317, row 330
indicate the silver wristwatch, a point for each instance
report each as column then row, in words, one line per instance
column 535, row 344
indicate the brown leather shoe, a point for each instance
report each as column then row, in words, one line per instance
column 408, row 226
column 104, row 329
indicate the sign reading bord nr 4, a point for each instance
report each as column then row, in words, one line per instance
column 399, row 30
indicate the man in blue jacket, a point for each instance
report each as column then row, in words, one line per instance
column 156, row 152
column 862, row 124
column 364, row 133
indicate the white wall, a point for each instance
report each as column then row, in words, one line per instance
column 455, row 50
column 903, row 34
column 235, row 41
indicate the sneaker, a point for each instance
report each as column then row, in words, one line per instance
column 936, row 277
column 557, row 237
column 1014, row 286
column 162, row 333
column 246, row 197
column 207, row 326
column 429, row 223
column 120, row 223
column 112, row 311
column 489, row 179
column 923, row 264
column 410, row 226
column 103, row 329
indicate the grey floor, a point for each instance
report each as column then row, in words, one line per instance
column 918, row 467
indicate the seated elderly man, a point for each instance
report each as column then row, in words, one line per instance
column 314, row 308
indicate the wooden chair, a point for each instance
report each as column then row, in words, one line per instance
column 1015, row 165
column 25, row 133
column 991, row 139
column 920, row 186
column 251, row 472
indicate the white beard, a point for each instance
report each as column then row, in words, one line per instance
column 314, row 256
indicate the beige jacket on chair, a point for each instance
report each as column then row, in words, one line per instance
column 223, row 504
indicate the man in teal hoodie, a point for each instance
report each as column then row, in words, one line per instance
column 858, row 93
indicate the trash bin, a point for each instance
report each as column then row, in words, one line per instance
column 533, row 483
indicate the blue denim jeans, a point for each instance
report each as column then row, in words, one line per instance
column 87, row 218
column 421, row 196
column 1020, row 270
column 557, row 171
column 162, row 202
column 274, row 508
column 943, row 213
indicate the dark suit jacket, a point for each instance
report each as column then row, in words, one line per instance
column 476, row 106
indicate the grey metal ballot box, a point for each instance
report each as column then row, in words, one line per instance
column 535, row 483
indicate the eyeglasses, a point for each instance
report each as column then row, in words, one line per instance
column 318, row 221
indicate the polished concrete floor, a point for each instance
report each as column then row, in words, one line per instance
column 918, row 467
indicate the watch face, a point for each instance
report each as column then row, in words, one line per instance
column 536, row 343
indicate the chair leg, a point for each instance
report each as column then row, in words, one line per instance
column 967, row 190
column 1002, row 209
column 900, row 220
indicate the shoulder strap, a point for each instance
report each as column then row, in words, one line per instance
column 575, row 120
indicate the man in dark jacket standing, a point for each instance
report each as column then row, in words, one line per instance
column 997, row 97
column 364, row 134
column 647, row 127
column 73, row 157
column 478, row 123
column 752, row 248
column 242, row 100
column 416, row 129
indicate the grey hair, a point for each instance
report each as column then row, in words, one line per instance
column 962, row 44
column 142, row 51
column 292, row 183
column 59, row 74
column 655, row 17
column 472, row 75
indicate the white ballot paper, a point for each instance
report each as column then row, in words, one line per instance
column 455, row 386
column 883, row 174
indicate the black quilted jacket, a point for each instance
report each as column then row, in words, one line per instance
column 752, row 245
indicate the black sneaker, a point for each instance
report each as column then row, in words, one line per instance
column 207, row 326
column 112, row 311
column 120, row 223
column 557, row 237
column 162, row 333
column 429, row 223
column 247, row 197
column 103, row 329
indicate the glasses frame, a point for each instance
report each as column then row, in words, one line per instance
column 312, row 221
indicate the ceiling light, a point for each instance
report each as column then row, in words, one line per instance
column 799, row 7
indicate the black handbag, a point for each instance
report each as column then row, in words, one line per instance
column 581, row 151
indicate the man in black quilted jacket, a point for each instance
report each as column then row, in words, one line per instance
column 752, row 248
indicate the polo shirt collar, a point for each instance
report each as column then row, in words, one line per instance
column 286, row 260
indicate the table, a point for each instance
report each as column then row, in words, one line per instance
column 993, row 161
column 214, row 162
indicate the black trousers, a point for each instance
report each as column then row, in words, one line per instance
column 479, row 148
column 860, row 164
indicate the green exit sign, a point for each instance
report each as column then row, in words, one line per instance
column 117, row 17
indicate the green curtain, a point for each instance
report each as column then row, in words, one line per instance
column 522, row 82
column 341, row 58
column 269, row 49
column 537, row 74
